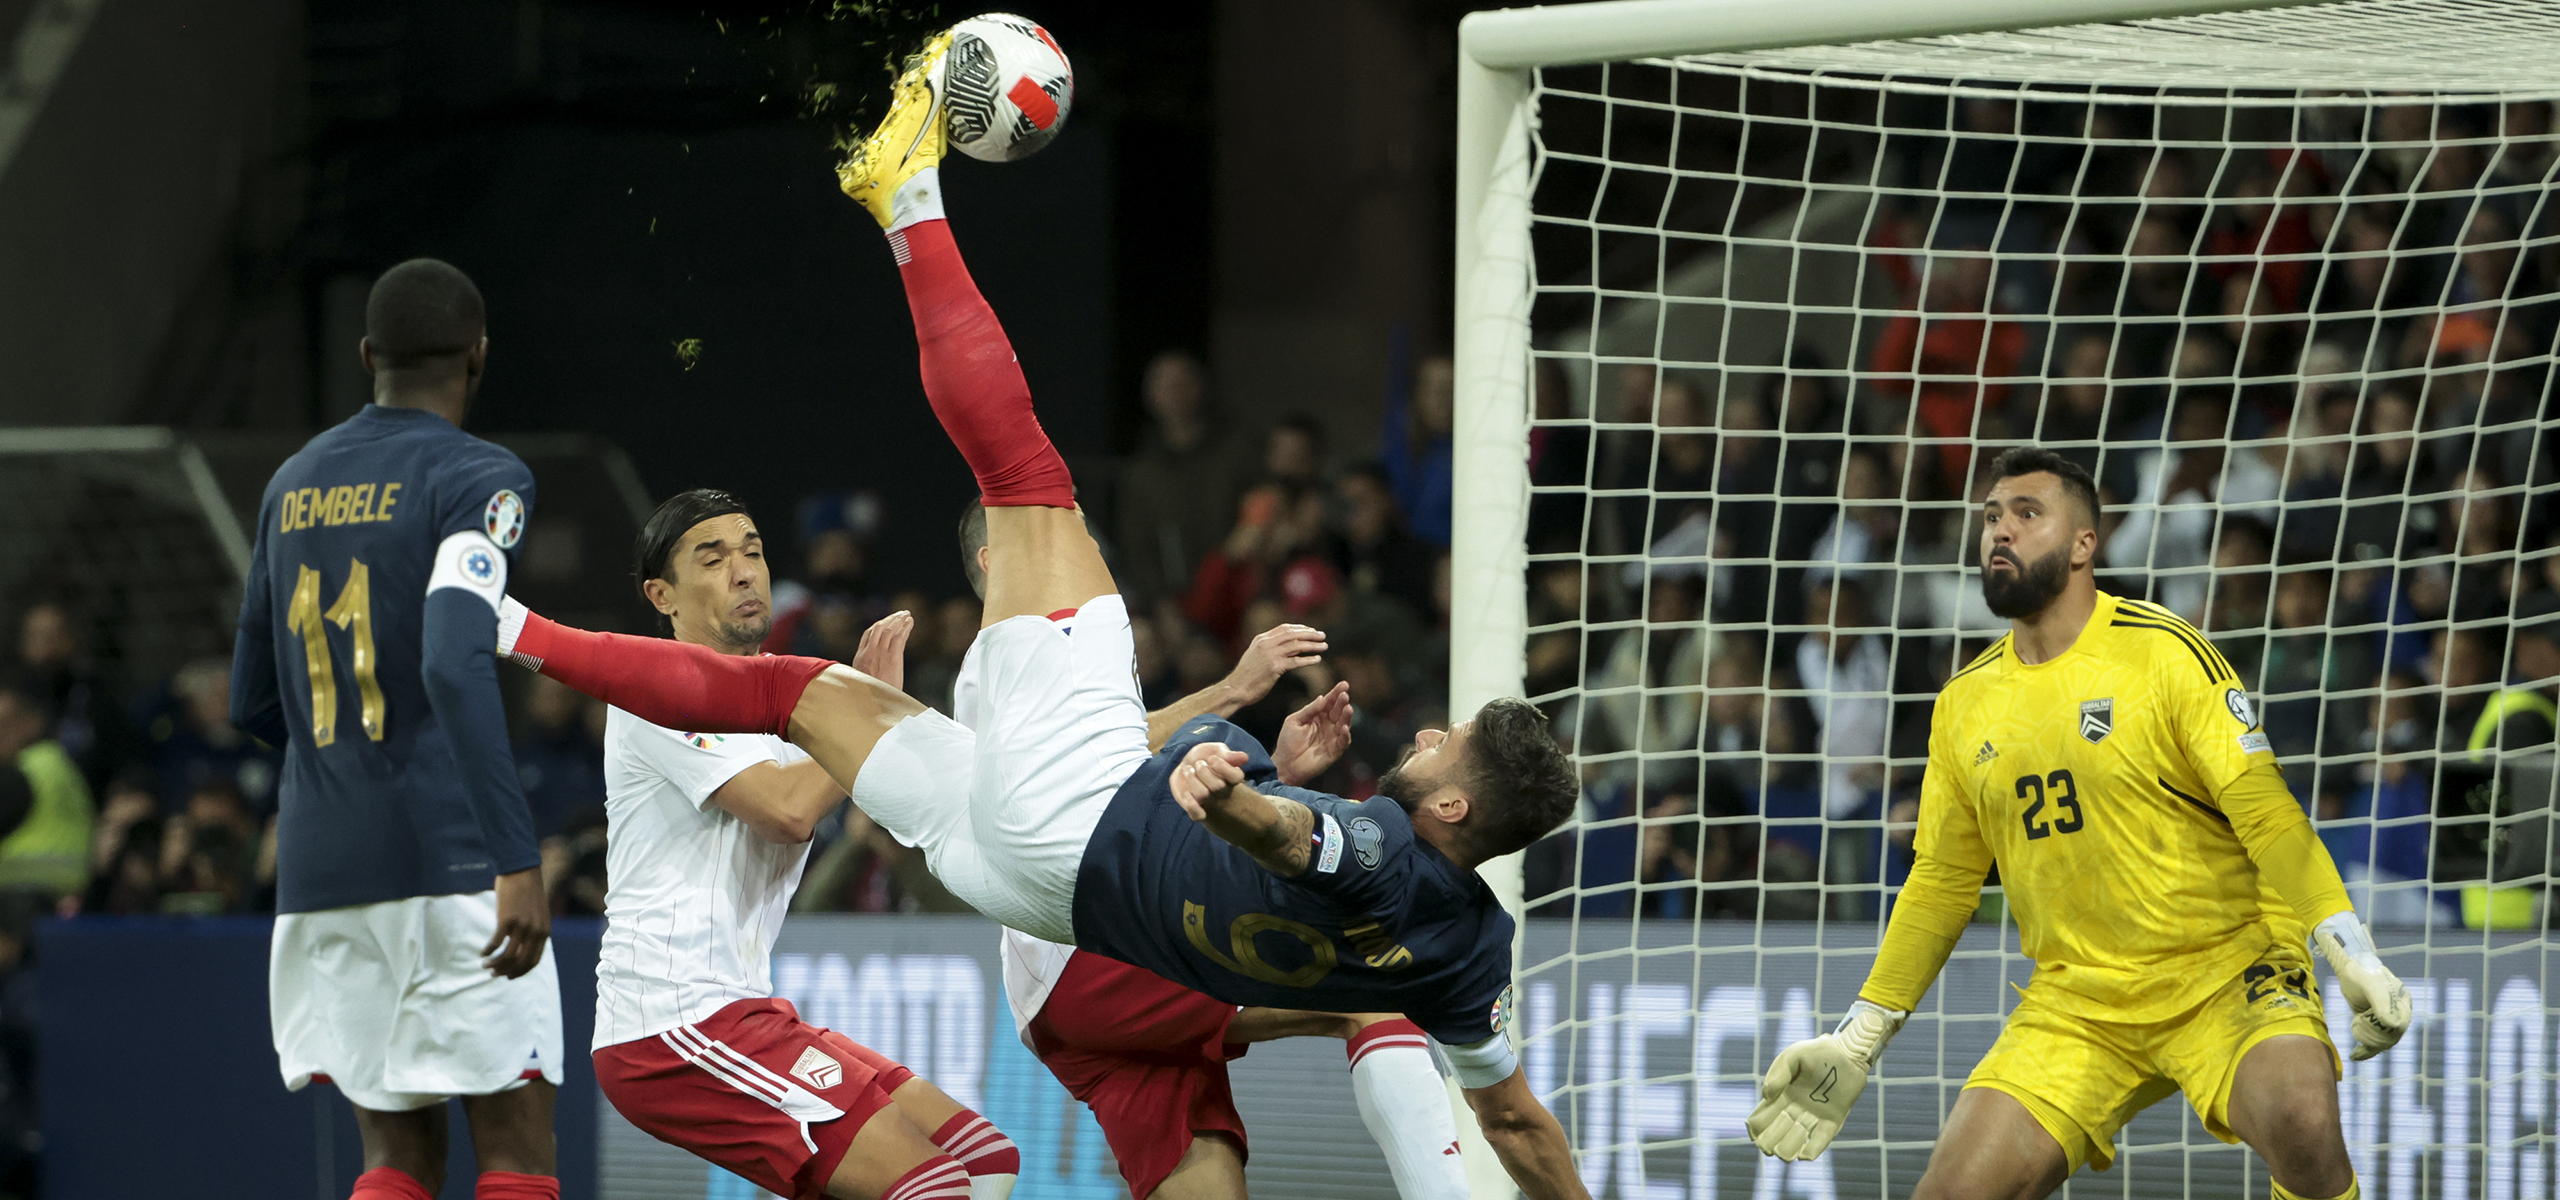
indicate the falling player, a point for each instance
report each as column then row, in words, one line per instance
column 404, row 852
column 1135, row 1046
column 709, row 834
column 1064, row 825
column 2105, row 759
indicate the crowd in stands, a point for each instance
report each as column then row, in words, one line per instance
column 2327, row 469
column 1746, row 586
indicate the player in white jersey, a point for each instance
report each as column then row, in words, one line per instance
column 1149, row 1056
column 709, row 834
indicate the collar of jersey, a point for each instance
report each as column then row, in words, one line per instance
column 2104, row 612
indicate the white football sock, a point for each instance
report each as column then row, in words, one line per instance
column 1406, row 1108
column 917, row 200
column 511, row 615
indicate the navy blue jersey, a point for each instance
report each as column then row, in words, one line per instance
column 1379, row 921
column 373, row 802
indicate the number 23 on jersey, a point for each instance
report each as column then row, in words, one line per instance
column 2036, row 790
column 351, row 611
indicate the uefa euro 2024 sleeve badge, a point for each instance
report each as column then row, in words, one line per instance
column 503, row 519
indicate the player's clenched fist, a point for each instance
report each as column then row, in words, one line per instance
column 1203, row 774
column 1808, row 1091
column 2381, row 1005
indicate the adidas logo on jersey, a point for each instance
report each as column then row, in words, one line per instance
column 1984, row 755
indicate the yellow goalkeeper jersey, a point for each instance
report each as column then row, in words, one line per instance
column 2145, row 841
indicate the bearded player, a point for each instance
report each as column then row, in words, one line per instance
column 410, row 961
column 2105, row 759
column 1042, row 806
column 709, row 834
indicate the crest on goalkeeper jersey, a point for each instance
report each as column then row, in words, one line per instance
column 2097, row 719
column 503, row 519
column 2238, row 703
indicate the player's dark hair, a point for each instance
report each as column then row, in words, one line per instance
column 421, row 310
column 973, row 534
column 1520, row 783
column 656, row 545
column 2028, row 460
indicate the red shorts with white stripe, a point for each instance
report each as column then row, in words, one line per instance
column 753, row 1089
column 1147, row 1055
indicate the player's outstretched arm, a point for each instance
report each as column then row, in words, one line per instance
column 2279, row 838
column 1209, row 785
column 1275, row 652
column 782, row 804
column 460, row 669
column 1526, row 1137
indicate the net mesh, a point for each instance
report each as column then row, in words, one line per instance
column 123, row 540
column 1786, row 307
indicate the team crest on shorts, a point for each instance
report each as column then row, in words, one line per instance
column 2097, row 719
column 703, row 741
column 503, row 519
column 817, row 1069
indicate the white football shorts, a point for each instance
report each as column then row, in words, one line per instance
column 1003, row 799
column 389, row 1002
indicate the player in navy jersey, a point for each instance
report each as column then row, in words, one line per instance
column 410, row 961
column 1042, row 804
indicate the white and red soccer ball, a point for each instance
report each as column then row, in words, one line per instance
column 1006, row 87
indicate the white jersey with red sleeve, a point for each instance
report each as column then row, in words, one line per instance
column 694, row 898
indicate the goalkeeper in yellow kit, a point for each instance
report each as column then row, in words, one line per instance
column 2105, row 758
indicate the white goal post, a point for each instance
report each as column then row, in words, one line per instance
column 1559, row 105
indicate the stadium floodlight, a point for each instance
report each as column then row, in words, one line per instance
column 2320, row 229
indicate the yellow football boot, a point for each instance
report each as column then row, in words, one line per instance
column 907, row 141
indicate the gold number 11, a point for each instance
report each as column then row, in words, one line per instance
column 353, row 612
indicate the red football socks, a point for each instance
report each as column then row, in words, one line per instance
column 388, row 1183
column 514, row 1185
column 973, row 380
column 937, row 1178
column 981, row 1148
column 666, row 682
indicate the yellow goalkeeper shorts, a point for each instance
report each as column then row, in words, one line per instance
column 2083, row 1078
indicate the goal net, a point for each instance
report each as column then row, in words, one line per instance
column 2287, row 282
column 130, row 531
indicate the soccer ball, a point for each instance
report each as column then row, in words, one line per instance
column 1006, row 87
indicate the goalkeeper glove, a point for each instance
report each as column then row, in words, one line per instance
column 1809, row 1089
column 2380, row 1003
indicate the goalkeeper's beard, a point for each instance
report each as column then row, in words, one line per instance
column 2029, row 587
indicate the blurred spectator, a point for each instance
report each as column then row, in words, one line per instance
column 1646, row 697
column 1866, row 528
column 1271, row 530
column 866, row 871
column 1947, row 353
column 214, row 856
column 2466, row 664
column 1846, row 673
column 1370, row 546
column 47, row 849
column 2168, row 529
column 559, row 754
column 89, row 718
column 573, row 865
column 2386, row 468
column 810, row 614
column 2523, row 715
column 124, row 859
column 2380, row 834
column 954, row 626
column 1293, row 456
column 1177, row 492
column 193, row 741
column 1417, row 448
